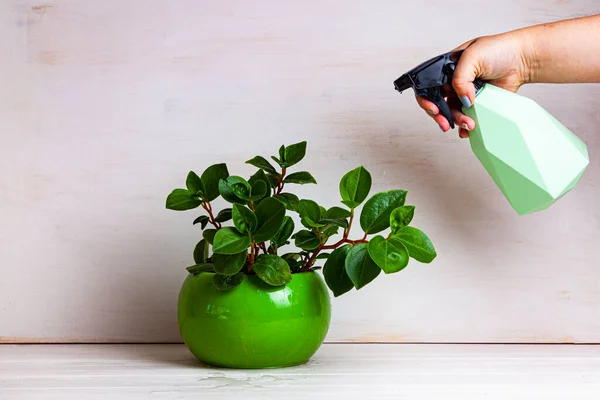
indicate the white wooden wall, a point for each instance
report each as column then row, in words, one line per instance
column 105, row 106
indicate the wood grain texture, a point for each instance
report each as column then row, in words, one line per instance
column 390, row 371
column 105, row 106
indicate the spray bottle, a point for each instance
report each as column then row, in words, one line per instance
column 533, row 159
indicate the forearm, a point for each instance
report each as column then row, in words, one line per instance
column 564, row 52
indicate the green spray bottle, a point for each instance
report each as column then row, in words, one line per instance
column 532, row 157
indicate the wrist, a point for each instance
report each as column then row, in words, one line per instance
column 529, row 57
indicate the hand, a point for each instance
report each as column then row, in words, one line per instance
column 500, row 60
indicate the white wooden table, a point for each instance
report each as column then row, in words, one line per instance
column 338, row 371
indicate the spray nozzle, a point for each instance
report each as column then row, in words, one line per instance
column 428, row 78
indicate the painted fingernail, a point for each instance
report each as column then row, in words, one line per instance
column 466, row 102
column 465, row 126
column 431, row 112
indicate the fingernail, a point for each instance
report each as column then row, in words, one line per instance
column 465, row 126
column 442, row 129
column 431, row 112
column 466, row 102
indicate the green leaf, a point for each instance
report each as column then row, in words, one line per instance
column 229, row 264
column 309, row 209
column 240, row 187
column 294, row 261
column 300, row 178
column 269, row 213
column 306, row 240
column 284, row 232
column 355, row 187
column 282, row 152
column 229, row 240
column 323, row 256
column 262, row 163
column 211, row 177
column 293, row 154
column 272, row 269
column 181, row 200
column 360, row 267
column 194, row 184
column 337, row 213
column 209, row 235
column 401, row 217
column 335, row 274
column 417, row 243
column 260, row 176
column 322, row 212
column 244, row 219
column 259, row 190
column 289, row 200
column 342, row 223
column 224, row 282
column 223, row 215
column 375, row 215
column 390, row 255
column 201, row 252
column 272, row 179
column 228, row 194
column 196, row 269
column 202, row 220
column 309, row 223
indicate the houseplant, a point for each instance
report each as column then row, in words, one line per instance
column 250, row 301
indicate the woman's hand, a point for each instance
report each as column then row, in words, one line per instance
column 502, row 60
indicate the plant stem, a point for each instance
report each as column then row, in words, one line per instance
column 206, row 205
column 280, row 183
column 343, row 240
column 263, row 247
column 251, row 258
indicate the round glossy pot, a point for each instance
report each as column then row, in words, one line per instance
column 254, row 325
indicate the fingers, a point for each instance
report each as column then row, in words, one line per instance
column 464, row 75
column 427, row 105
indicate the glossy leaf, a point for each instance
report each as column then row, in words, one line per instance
column 194, row 184
column 229, row 264
column 228, row 194
column 229, row 240
column 355, row 187
column 306, row 240
column 360, row 267
column 196, row 269
column 289, row 200
column 337, row 213
column 225, row 283
column 269, row 213
column 202, row 220
column 244, row 219
column 201, row 252
column 259, row 190
column 323, row 256
column 209, row 235
column 272, row 269
column 417, row 243
column 181, row 200
column 375, row 215
column 401, row 217
column 309, row 209
column 293, row 153
column 390, row 255
column 240, row 187
column 211, row 177
column 294, row 260
column 342, row 223
column 335, row 274
column 262, row 163
column 284, row 232
column 224, row 215
column 301, row 178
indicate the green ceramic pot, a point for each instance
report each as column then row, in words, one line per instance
column 254, row 325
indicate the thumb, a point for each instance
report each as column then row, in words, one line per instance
column 464, row 75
